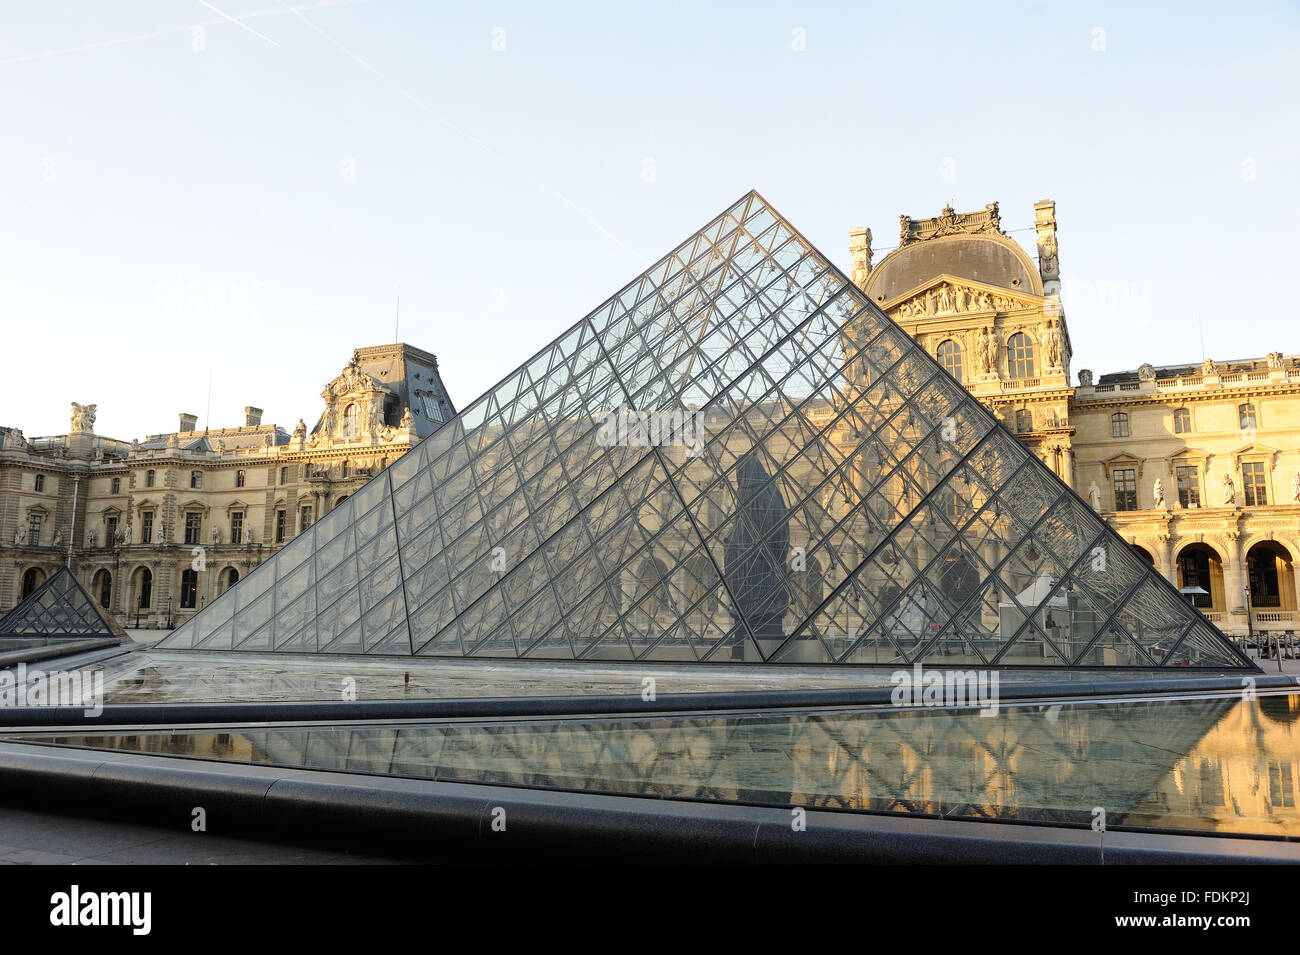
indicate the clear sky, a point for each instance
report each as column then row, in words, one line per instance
column 180, row 193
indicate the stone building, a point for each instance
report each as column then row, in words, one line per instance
column 1197, row 466
column 156, row 528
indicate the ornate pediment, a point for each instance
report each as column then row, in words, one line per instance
column 1122, row 461
column 947, row 295
column 351, row 381
column 949, row 222
column 1255, row 451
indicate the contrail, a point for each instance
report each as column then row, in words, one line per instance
column 416, row 101
column 170, row 31
column 238, row 23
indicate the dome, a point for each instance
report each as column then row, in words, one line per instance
column 995, row 260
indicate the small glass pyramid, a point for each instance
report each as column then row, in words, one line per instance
column 737, row 458
column 58, row 608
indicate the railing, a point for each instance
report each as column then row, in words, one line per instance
column 1130, row 386
column 1287, row 617
column 1257, row 376
column 1103, row 388
column 1230, row 378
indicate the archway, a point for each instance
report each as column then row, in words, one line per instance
column 227, row 579
column 34, row 577
column 1199, row 565
column 1271, row 576
column 142, row 589
column 102, row 587
column 1144, row 554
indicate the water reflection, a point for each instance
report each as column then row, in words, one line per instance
column 1221, row 765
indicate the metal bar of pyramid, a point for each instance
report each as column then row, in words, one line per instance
column 737, row 458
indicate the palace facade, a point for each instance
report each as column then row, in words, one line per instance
column 155, row 529
column 1197, row 466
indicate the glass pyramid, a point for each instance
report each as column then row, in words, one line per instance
column 58, row 608
column 737, row 458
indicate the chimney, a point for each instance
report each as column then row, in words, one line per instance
column 188, row 421
column 252, row 417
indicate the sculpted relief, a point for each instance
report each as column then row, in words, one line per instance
column 948, row 299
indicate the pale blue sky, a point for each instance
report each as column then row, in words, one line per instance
column 172, row 200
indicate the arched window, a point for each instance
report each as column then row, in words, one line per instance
column 1119, row 425
column 103, row 587
column 1247, row 415
column 189, row 589
column 1020, row 356
column 144, row 587
column 31, row 580
column 350, row 421
column 949, row 355
column 1182, row 421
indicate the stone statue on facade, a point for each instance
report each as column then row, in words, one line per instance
column 1208, row 367
column 1275, row 359
column 1229, row 490
column 216, row 535
column 248, row 536
column 300, row 431
column 1051, row 345
column 407, row 421
column 83, row 418
column 1094, row 496
column 1158, row 493
column 1085, row 377
column 1146, row 372
column 58, row 537
column 90, row 540
column 1295, row 486
column 18, row 537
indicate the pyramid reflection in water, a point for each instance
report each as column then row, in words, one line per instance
column 736, row 458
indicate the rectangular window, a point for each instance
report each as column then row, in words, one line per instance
column 1281, row 789
column 1182, row 421
column 146, row 527
column 284, row 475
column 1189, row 486
column 1211, row 783
column 110, row 526
column 239, row 479
column 196, row 479
column 193, row 528
column 34, row 529
column 304, row 518
column 1247, row 415
column 1252, row 476
column 1126, row 490
column 40, row 482
column 237, row 527
column 279, row 526
column 117, row 486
